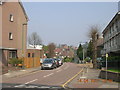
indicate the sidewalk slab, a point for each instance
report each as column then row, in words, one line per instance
column 89, row 79
column 12, row 74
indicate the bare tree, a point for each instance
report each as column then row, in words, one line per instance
column 34, row 39
column 51, row 48
column 94, row 35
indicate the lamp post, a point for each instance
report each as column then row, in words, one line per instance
column 83, row 55
column 106, row 56
column 106, row 65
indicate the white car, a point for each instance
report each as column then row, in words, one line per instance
column 48, row 64
column 60, row 62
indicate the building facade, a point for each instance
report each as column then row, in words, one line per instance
column 13, row 31
column 111, row 36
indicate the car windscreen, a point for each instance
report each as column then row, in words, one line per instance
column 47, row 61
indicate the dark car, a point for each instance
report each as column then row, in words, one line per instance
column 60, row 61
column 57, row 62
column 48, row 64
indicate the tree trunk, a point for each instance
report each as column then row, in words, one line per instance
column 94, row 54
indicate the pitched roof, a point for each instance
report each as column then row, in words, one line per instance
column 3, row 1
column 23, row 10
column 117, row 14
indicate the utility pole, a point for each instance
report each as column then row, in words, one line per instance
column 106, row 65
column 83, row 54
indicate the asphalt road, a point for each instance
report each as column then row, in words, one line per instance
column 44, row 78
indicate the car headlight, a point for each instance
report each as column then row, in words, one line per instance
column 50, row 65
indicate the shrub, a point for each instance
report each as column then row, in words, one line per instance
column 15, row 61
column 87, row 59
column 113, row 61
column 66, row 59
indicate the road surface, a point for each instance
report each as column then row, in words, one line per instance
column 44, row 78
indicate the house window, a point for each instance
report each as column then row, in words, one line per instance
column 32, row 54
column 0, row 2
column 28, row 54
column 12, row 54
column 10, row 36
column 11, row 18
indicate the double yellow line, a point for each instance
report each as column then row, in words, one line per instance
column 71, row 78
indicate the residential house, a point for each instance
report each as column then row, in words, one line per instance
column 14, row 31
column 111, row 36
column 64, row 51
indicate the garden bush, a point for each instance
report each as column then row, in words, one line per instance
column 15, row 61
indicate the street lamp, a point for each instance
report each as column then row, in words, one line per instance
column 106, row 56
column 106, row 65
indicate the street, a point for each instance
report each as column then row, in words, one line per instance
column 56, row 77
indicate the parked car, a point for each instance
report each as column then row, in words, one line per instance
column 48, row 64
column 57, row 62
column 60, row 62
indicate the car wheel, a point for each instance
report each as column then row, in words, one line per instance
column 55, row 66
column 42, row 68
column 52, row 67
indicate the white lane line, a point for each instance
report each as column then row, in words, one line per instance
column 20, row 85
column 66, row 67
column 31, row 81
column 48, row 75
column 59, row 70
column 26, row 83
column 83, row 77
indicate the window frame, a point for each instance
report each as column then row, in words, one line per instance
column 11, row 52
column 10, row 36
column 11, row 18
column 29, row 54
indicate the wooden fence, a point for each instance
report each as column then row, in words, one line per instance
column 31, row 62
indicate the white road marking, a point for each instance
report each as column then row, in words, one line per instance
column 83, row 77
column 48, row 75
column 26, row 83
column 20, row 85
column 31, row 81
column 66, row 67
column 7, row 74
column 22, row 70
column 59, row 70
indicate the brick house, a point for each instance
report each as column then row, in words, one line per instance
column 13, row 32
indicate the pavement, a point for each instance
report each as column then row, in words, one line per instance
column 13, row 74
column 89, row 78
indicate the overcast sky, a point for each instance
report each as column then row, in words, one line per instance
column 67, row 23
